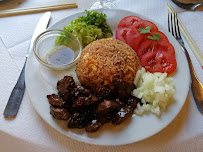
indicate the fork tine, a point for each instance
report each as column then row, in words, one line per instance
column 169, row 27
column 175, row 24
column 178, row 26
column 172, row 24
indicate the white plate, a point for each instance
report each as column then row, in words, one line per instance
column 40, row 81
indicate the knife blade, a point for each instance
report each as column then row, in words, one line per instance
column 17, row 93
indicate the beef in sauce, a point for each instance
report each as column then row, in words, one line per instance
column 59, row 113
column 90, row 109
column 93, row 126
column 55, row 100
column 65, row 86
column 126, row 111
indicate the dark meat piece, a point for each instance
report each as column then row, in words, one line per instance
column 55, row 100
column 125, row 112
column 79, row 91
column 107, row 106
column 132, row 101
column 123, row 89
column 65, row 86
column 107, row 109
column 106, row 118
column 59, row 113
column 120, row 102
column 103, row 93
column 80, row 119
column 85, row 101
column 122, row 115
column 93, row 126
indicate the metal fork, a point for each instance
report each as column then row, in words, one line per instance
column 196, row 86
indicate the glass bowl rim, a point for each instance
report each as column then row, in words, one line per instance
column 63, row 66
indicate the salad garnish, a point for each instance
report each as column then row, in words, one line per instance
column 87, row 28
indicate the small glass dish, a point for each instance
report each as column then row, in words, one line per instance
column 57, row 49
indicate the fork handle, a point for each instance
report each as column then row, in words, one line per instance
column 192, row 71
column 196, row 86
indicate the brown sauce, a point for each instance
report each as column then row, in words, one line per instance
column 60, row 55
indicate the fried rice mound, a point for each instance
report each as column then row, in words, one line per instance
column 104, row 60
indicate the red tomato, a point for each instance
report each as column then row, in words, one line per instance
column 162, row 35
column 133, row 36
column 144, row 37
column 151, row 46
column 124, row 25
column 159, row 61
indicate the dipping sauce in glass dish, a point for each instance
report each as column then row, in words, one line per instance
column 60, row 55
column 57, row 49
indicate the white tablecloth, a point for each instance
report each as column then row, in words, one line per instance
column 28, row 132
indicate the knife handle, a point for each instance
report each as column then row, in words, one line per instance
column 16, row 96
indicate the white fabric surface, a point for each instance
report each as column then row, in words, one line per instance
column 28, row 132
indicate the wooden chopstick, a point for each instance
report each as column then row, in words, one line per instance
column 197, row 52
column 12, row 12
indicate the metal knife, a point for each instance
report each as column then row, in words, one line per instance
column 16, row 96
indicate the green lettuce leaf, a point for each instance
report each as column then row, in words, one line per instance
column 87, row 28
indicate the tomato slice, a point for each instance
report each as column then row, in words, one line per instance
column 159, row 61
column 133, row 36
column 162, row 35
column 124, row 25
column 153, row 45
column 140, row 39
